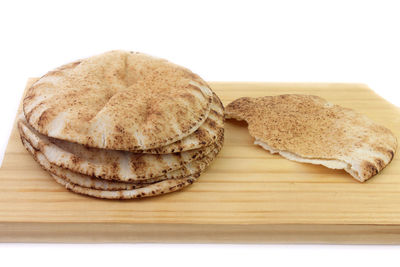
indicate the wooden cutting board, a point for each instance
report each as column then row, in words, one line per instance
column 246, row 195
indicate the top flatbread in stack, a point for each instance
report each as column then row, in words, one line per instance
column 122, row 117
column 309, row 129
column 118, row 100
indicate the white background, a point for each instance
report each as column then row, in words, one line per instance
column 318, row 41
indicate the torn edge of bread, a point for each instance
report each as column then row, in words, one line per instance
column 329, row 163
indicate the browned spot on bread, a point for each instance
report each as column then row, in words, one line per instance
column 75, row 159
column 45, row 118
column 379, row 163
column 29, row 95
column 119, row 129
column 381, row 149
column 391, row 152
column 215, row 113
column 369, row 169
column 115, row 167
column 200, row 134
column 212, row 124
column 189, row 97
column 137, row 164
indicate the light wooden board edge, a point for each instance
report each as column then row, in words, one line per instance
column 198, row 233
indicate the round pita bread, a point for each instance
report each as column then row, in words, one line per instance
column 193, row 169
column 151, row 190
column 110, row 164
column 309, row 129
column 210, row 131
column 118, row 100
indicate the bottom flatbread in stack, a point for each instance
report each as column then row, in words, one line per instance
column 158, row 188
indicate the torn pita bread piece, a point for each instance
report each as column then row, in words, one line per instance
column 309, row 129
column 118, row 100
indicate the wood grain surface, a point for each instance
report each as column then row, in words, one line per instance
column 246, row 195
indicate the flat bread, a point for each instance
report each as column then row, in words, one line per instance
column 193, row 169
column 210, row 131
column 309, row 129
column 159, row 188
column 110, row 164
column 118, row 100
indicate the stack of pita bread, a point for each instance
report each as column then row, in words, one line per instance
column 122, row 125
